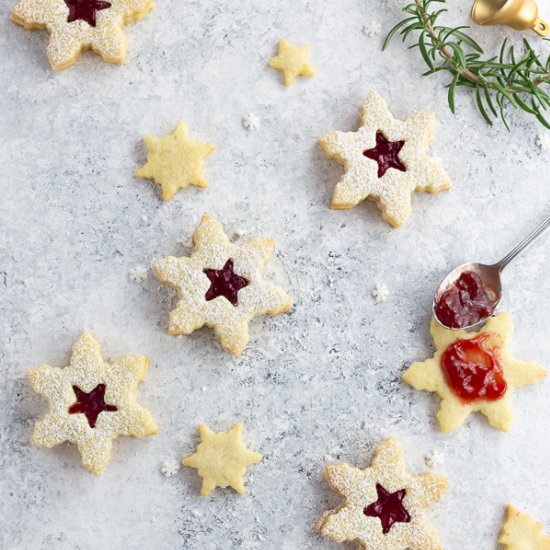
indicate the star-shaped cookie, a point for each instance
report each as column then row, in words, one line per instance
column 522, row 532
column 221, row 459
column 292, row 61
column 384, row 506
column 175, row 161
column 77, row 25
column 473, row 371
column 385, row 161
column 91, row 402
column 221, row 285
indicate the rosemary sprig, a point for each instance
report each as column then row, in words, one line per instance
column 498, row 81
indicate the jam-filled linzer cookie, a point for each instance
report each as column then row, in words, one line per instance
column 175, row 161
column 77, row 25
column 221, row 285
column 522, row 532
column 386, row 160
column 474, row 371
column 221, row 459
column 384, row 506
column 91, row 402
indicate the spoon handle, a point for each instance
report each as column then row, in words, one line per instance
column 537, row 233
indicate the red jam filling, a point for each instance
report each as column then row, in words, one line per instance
column 224, row 282
column 465, row 302
column 85, row 10
column 386, row 154
column 91, row 404
column 472, row 368
column 388, row 508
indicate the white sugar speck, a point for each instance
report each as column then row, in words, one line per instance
column 138, row 274
column 434, row 459
column 380, row 293
column 251, row 122
column 543, row 142
column 372, row 29
column 169, row 467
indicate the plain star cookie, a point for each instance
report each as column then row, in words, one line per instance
column 91, row 403
column 385, row 161
column 221, row 285
column 384, row 506
column 175, row 161
column 221, row 459
column 77, row 25
column 292, row 61
column 522, row 532
column 473, row 371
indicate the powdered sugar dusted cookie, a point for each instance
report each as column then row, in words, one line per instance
column 76, row 25
column 383, row 506
column 474, row 371
column 522, row 532
column 221, row 285
column 385, row 161
column 91, row 402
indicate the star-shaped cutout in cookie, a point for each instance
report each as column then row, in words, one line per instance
column 522, row 532
column 77, row 25
column 385, row 161
column 221, row 459
column 384, row 506
column 199, row 305
column 91, row 402
column 175, row 161
column 490, row 371
column 292, row 61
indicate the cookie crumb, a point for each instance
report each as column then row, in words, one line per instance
column 239, row 234
column 380, row 293
column 372, row 29
column 251, row 122
column 434, row 459
column 138, row 274
column 169, row 467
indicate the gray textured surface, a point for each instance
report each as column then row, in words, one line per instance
column 321, row 383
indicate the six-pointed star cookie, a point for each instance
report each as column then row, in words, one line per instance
column 385, row 161
column 221, row 459
column 77, row 25
column 383, row 506
column 221, row 285
column 175, row 161
column 488, row 369
column 91, row 402
column 522, row 532
column 292, row 61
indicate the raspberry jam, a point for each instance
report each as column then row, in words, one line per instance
column 224, row 282
column 465, row 302
column 386, row 154
column 91, row 404
column 388, row 508
column 472, row 368
column 85, row 10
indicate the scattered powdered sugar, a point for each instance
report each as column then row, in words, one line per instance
column 372, row 28
column 138, row 274
column 169, row 467
column 380, row 293
column 434, row 459
column 251, row 122
column 543, row 142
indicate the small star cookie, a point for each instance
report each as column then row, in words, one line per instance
column 292, row 61
column 383, row 506
column 473, row 371
column 175, row 161
column 91, row 403
column 221, row 459
column 522, row 532
column 77, row 25
column 221, row 285
column 385, row 161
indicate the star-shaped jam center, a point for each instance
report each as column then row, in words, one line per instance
column 386, row 154
column 85, row 10
column 91, row 404
column 388, row 508
column 224, row 282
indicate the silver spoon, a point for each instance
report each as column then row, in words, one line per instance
column 489, row 274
